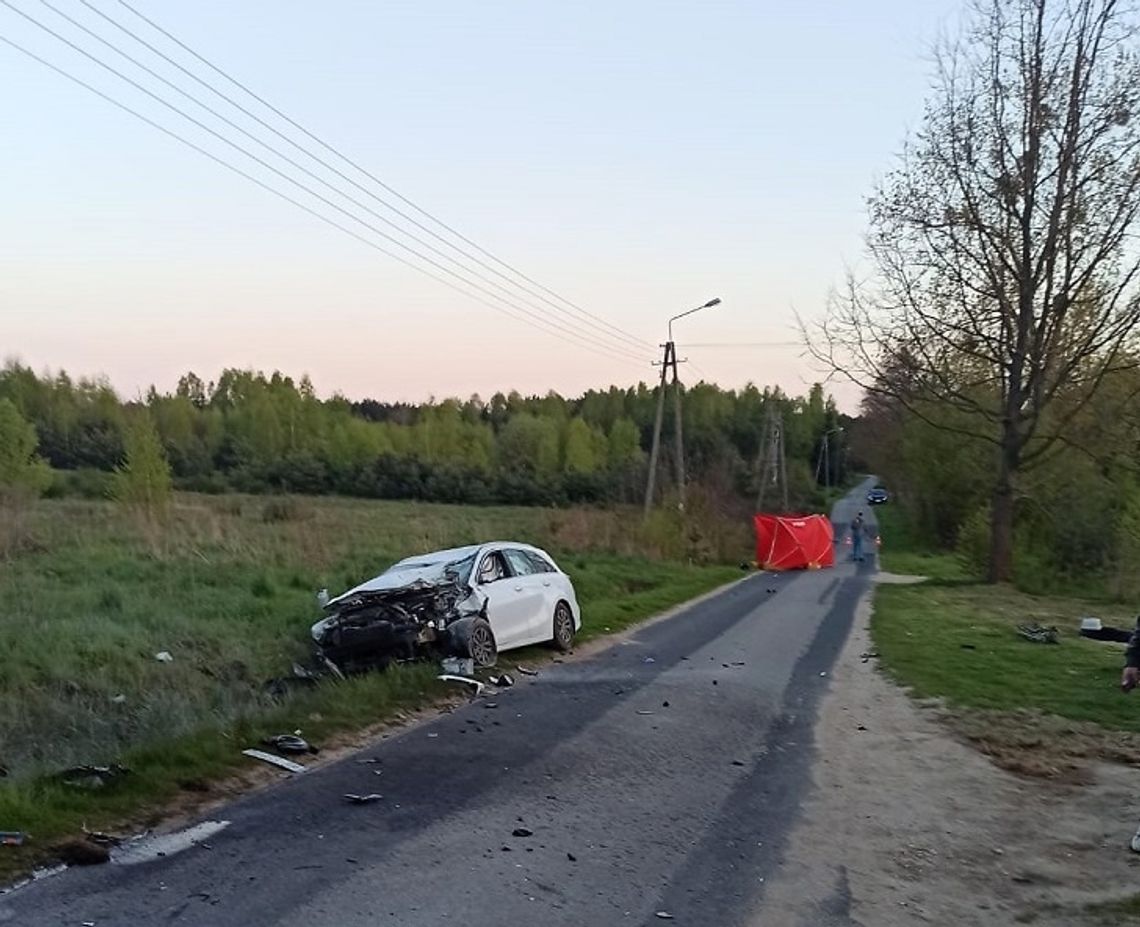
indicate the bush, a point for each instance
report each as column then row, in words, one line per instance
column 973, row 545
column 285, row 508
column 79, row 484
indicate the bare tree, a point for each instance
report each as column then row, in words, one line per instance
column 1004, row 283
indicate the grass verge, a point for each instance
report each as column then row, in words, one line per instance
column 1036, row 709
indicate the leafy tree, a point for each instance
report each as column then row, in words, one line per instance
column 21, row 470
column 1006, row 282
column 143, row 480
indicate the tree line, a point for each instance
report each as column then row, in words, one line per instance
column 251, row 432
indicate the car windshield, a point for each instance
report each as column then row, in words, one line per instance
column 458, row 569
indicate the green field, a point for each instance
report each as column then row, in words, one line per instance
column 227, row 586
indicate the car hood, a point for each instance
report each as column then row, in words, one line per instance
column 434, row 574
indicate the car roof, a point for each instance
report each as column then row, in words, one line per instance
column 455, row 554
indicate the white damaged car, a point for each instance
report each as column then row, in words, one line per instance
column 466, row 602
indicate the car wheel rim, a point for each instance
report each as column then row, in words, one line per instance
column 563, row 626
column 482, row 647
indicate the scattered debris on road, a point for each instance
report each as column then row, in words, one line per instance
column 572, row 857
column 664, row 915
column 522, row 832
column 353, row 799
column 457, row 666
column 78, row 852
column 1038, row 634
column 448, row 677
column 92, row 777
column 868, row 655
column 279, row 761
column 290, row 743
column 527, row 671
column 503, row 680
column 106, row 840
column 644, row 711
column 1093, row 629
column 163, row 656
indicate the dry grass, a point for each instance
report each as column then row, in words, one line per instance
column 1041, row 746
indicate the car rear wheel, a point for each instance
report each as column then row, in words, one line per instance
column 563, row 627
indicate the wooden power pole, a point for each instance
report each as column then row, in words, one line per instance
column 668, row 363
column 773, row 463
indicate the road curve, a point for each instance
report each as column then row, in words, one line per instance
column 659, row 775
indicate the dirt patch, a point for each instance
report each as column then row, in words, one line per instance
column 1044, row 746
column 908, row 824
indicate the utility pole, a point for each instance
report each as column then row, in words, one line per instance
column 678, row 435
column 669, row 362
column 773, row 464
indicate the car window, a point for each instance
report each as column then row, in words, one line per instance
column 493, row 568
column 539, row 562
column 520, row 563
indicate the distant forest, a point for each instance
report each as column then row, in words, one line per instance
column 250, row 432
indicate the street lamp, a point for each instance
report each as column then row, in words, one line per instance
column 708, row 305
column 825, row 455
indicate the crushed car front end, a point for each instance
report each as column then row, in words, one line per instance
column 396, row 616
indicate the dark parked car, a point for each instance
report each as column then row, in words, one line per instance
column 877, row 496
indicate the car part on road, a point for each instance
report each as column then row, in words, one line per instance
column 1039, row 634
column 290, row 743
column 526, row 671
column 362, row 799
column 12, row 838
column 503, row 680
column 82, row 853
column 279, row 761
column 92, row 777
column 448, row 677
column 458, row 666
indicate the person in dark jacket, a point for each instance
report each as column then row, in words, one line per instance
column 1131, row 676
column 1129, row 679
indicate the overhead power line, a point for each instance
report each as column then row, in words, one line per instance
column 537, row 318
column 278, row 193
column 578, row 315
column 742, row 344
column 447, row 257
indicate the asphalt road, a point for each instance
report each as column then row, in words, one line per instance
column 660, row 775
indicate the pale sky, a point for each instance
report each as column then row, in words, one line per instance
column 635, row 156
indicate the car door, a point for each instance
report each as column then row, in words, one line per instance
column 533, row 589
column 507, row 608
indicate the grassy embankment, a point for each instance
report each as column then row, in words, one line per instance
column 227, row 587
column 1042, row 709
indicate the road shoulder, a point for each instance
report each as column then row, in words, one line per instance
column 906, row 824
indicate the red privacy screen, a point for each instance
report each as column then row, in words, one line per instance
column 794, row 542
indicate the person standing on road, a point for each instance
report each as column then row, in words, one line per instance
column 858, row 529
